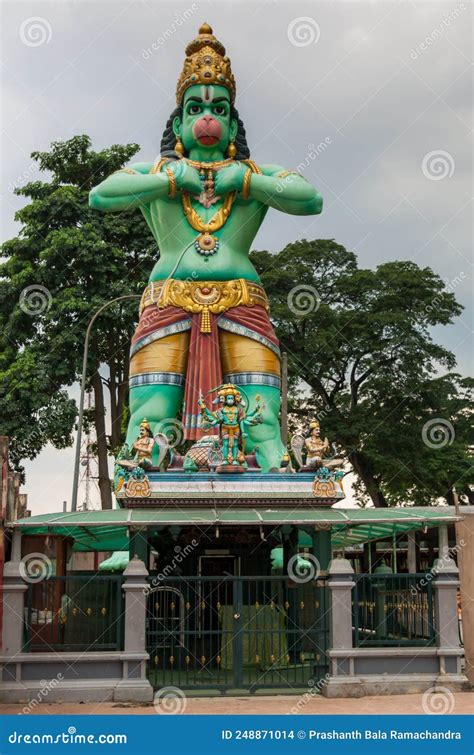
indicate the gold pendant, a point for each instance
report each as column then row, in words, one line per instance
column 206, row 244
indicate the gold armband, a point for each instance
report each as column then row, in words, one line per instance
column 172, row 183
column 246, row 184
column 285, row 173
column 126, row 170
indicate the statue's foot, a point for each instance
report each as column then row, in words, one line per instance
column 270, row 454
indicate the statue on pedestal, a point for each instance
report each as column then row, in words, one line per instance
column 316, row 448
column 204, row 316
column 314, row 454
column 232, row 418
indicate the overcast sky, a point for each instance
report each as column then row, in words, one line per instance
column 373, row 98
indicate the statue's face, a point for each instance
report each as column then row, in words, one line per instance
column 230, row 400
column 206, row 123
column 315, row 432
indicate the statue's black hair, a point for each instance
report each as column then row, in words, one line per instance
column 168, row 140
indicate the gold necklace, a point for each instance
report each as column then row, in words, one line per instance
column 206, row 166
column 206, row 243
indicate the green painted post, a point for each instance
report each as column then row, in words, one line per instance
column 138, row 544
column 322, row 549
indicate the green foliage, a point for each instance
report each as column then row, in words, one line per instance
column 361, row 357
column 79, row 259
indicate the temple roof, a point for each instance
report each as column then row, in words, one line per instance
column 108, row 530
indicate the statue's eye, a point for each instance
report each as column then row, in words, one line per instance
column 194, row 110
column 219, row 110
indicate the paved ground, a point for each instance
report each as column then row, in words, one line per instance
column 461, row 702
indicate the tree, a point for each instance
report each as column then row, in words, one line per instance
column 65, row 262
column 360, row 341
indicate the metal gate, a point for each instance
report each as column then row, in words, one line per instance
column 242, row 633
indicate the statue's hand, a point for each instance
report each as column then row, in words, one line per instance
column 230, row 178
column 187, row 177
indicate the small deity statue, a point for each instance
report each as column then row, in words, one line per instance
column 231, row 418
column 142, row 448
column 317, row 452
column 316, row 448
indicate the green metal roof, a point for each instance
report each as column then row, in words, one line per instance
column 108, row 530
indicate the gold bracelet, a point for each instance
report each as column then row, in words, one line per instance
column 246, row 184
column 172, row 183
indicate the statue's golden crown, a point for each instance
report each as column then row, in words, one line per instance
column 206, row 63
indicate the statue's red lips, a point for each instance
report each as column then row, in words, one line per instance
column 207, row 131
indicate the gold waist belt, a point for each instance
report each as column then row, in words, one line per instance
column 203, row 296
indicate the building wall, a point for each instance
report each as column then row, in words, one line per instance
column 465, row 558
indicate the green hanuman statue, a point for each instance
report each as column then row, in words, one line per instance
column 204, row 315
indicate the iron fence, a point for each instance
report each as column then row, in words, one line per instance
column 76, row 613
column 236, row 632
column 393, row 610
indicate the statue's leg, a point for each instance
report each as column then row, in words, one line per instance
column 157, row 378
column 256, row 368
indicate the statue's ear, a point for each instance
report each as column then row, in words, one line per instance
column 234, row 126
column 177, row 126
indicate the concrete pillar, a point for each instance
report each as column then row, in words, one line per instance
column 135, row 588
column 340, row 607
column 135, row 686
column 446, row 585
column 443, row 543
column 14, row 589
column 411, row 553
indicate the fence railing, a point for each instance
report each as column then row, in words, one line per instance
column 393, row 609
column 76, row 613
